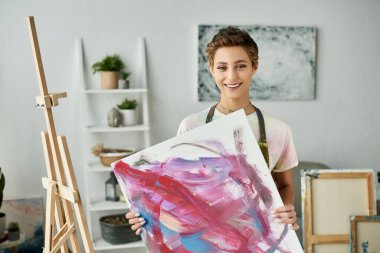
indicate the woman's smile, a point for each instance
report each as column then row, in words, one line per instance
column 233, row 86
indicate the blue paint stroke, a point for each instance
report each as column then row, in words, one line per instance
column 194, row 243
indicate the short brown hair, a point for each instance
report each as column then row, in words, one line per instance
column 231, row 37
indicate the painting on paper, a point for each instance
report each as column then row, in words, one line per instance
column 207, row 190
column 29, row 215
column 287, row 63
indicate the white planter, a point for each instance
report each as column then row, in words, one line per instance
column 123, row 84
column 129, row 117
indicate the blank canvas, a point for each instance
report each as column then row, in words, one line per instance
column 365, row 231
column 330, row 197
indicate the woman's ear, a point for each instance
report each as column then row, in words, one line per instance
column 255, row 69
column 211, row 70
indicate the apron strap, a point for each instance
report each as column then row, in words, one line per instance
column 263, row 144
column 210, row 114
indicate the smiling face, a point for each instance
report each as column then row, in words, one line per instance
column 233, row 71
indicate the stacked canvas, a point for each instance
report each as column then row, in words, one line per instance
column 330, row 198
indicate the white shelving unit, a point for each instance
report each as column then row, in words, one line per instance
column 95, row 130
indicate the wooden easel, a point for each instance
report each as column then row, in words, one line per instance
column 62, row 189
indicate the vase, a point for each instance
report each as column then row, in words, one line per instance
column 114, row 117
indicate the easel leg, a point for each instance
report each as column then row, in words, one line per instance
column 51, row 174
column 60, row 222
column 70, row 221
column 49, row 223
column 71, row 181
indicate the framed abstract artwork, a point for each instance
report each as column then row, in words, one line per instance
column 364, row 236
column 28, row 213
column 330, row 197
column 287, row 62
column 207, row 190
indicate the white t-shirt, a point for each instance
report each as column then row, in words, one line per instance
column 282, row 154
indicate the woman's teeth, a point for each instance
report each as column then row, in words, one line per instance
column 232, row 85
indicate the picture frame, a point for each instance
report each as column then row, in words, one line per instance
column 330, row 197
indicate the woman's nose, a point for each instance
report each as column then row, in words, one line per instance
column 232, row 75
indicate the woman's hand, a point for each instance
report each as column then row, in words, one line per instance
column 287, row 215
column 136, row 221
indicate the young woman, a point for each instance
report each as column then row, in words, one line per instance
column 233, row 61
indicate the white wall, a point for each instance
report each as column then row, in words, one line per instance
column 339, row 128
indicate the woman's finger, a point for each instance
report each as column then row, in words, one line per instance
column 138, row 225
column 131, row 215
column 286, row 208
column 285, row 215
column 138, row 231
column 287, row 220
column 294, row 226
column 135, row 220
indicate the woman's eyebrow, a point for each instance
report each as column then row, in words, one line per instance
column 238, row 61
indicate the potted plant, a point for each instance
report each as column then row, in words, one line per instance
column 109, row 68
column 128, row 109
column 123, row 82
column 13, row 231
column 2, row 215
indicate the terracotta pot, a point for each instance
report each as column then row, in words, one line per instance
column 109, row 79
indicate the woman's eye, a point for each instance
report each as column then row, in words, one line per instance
column 241, row 66
column 221, row 67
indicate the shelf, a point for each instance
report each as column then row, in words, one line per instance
column 114, row 91
column 107, row 129
column 94, row 130
column 100, row 244
column 103, row 205
column 97, row 167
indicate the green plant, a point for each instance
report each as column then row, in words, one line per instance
column 2, row 185
column 108, row 63
column 127, row 104
column 13, row 226
column 125, row 75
